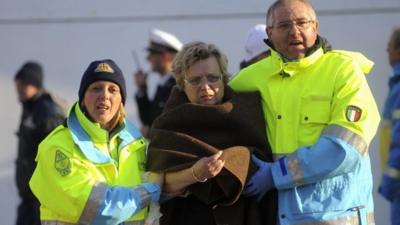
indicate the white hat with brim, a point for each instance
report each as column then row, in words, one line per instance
column 161, row 41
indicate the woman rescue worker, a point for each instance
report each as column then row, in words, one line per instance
column 89, row 169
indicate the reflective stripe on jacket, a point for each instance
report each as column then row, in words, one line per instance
column 321, row 114
column 84, row 176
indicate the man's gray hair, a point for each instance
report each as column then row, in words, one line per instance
column 280, row 3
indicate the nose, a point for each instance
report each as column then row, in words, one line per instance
column 104, row 94
column 294, row 29
column 204, row 83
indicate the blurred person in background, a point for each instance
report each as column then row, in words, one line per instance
column 255, row 46
column 390, row 132
column 161, row 51
column 40, row 115
column 89, row 169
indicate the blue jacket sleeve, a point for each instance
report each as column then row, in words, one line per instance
column 329, row 157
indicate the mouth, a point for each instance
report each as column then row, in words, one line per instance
column 102, row 107
column 206, row 97
column 296, row 43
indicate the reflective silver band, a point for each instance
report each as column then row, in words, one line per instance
column 145, row 196
column 140, row 222
column 95, row 198
column 393, row 173
column 348, row 220
column 54, row 222
column 348, row 136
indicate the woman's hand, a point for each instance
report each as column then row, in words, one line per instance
column 207, row 167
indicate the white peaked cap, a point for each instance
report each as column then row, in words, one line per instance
column 255, row 44
column 159, row 38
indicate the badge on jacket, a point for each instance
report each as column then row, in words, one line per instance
column 353, row 113
column 62, row 163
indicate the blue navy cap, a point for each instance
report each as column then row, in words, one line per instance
column 106, row 70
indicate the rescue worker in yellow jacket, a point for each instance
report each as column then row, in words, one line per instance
column 321, row 117
column 89, row 170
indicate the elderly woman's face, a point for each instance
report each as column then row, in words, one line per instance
column 203, row 82
column 102, row 100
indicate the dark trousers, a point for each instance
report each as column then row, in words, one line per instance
column 28, row 212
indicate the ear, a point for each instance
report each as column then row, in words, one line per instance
column 268, row 30
column 316, row 25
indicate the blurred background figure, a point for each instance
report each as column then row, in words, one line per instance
column 161, row 50
column 255, row 47
column 390, row 132
column 40, row 115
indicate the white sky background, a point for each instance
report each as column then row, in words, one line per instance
column 65, row 36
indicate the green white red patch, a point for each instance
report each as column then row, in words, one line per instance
column 353, row 113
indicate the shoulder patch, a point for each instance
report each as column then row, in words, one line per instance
column 353, row 113
column 62, row 163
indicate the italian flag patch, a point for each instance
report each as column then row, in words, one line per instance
column 353, row 113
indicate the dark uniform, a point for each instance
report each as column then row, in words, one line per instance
column 40, row 115
column 150, row 110
column 161, row 50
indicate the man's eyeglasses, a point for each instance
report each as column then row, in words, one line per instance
column 197, row 81
column 301, row 24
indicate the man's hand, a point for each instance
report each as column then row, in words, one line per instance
column 140, row 80
column 261, row 182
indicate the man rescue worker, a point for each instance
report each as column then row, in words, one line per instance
column 390, row 187
column 89, row 169
column 161, row 51
column 321, row 117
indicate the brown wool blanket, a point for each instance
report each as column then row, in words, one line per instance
column 185, row 132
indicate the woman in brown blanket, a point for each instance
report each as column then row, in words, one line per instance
column 203, row 142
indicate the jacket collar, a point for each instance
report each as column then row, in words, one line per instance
column 286, row 67
column 85, row 133
column 291, row 68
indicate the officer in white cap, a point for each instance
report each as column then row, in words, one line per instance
column 255, row 47
column 161, row 50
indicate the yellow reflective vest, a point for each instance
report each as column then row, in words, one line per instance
column 73, row 169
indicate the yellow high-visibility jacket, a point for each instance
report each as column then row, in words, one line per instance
column 85, row 176
column 321, row 116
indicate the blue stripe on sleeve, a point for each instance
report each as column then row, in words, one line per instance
column 282, row 165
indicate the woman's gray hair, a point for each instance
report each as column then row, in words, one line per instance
column 280, row 3
column 194, row 52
